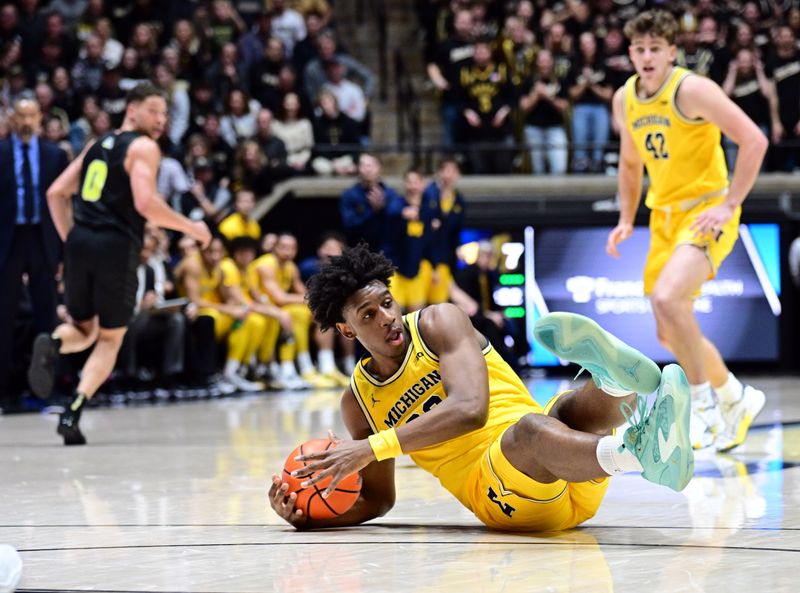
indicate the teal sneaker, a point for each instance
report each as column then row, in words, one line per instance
column 660, row 438
column 613, row 364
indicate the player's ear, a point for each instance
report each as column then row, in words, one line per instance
column 346, row 331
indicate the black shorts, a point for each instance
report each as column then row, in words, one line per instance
column 100, row 276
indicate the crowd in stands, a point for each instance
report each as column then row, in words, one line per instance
column 261, row 90
column 259, row 95
column 542, row 74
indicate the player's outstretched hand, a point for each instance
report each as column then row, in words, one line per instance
column 283, row 503
column 345, row 458
column 620, row 232
column 713, row 220
column 201, row 233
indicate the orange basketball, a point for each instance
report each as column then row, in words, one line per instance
column 309, row 500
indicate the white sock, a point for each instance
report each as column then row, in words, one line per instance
column 274, row 369
column 731, row 392
column 231, row 366
column 349, row 363
column 287, row 369
column 615, row 458
column 304, row 363
column 702, row 394
column 326, row 362
column 614, row 392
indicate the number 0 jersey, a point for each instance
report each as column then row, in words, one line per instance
column 683, row 157
column 105, row 198
column 417, row 387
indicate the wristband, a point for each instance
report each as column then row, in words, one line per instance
column 385, row 444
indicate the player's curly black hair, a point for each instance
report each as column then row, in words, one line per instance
column 337, row 281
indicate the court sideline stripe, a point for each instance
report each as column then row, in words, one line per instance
column 434, row 528
column 410, row 542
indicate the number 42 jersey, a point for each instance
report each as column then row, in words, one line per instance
column 105, row 198
column 683, row 156
column 417, row 387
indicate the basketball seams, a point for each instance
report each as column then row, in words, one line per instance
column 325, row 502
column 305, row 496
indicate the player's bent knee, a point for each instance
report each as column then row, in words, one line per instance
column 526, row 446
column 531, row 430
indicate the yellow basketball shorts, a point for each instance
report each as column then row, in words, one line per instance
column 670, row 228
column 438, row 292
column 504, row 498
column 410, row 293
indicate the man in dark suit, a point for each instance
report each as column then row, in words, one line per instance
column 29, row 243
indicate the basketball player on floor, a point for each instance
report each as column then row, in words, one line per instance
column 433, row 387
column 115, row 179
column 670, row 121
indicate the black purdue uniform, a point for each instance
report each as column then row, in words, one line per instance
column 102, row 250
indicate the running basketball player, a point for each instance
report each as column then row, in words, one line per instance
column 115, row 179
column 670, row 121
column 433, row 387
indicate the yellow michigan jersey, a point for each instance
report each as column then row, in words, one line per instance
column 210, row 282
column 683, row 157
column 472, row 467
column 283, row 274
column 232, row 276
